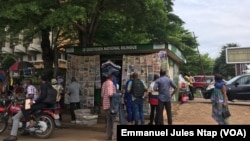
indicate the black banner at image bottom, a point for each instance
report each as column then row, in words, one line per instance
column 203, row 132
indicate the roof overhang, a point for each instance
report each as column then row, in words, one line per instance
column 172, row 52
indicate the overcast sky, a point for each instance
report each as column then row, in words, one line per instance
column 216, row 22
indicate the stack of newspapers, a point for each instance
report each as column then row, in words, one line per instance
column 84, row 116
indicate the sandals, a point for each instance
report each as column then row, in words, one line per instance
column 10, row 138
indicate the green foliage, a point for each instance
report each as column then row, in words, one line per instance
column 7, row 61
column 94, row 22
column 220, row 66
column 47, row 72
column 198, row 64
column 89, row 23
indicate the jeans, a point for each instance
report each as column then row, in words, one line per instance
column 160, row 109
column 15, row 124
column 115, row 103
column 117, row 109
column 129, row 109
column 138, row 110
column 130, row 114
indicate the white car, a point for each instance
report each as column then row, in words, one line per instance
column 183, row 88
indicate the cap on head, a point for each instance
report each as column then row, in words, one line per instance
column 53, row 81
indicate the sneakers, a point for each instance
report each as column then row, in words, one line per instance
column 32, row 128
column 73, row 121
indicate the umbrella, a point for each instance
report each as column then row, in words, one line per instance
column 20, row 66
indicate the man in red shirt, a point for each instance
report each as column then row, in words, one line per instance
column 108, row 89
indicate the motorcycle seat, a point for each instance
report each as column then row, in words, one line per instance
column 53, row 107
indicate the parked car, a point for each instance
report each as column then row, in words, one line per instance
column 201, row 82
column 238, row 88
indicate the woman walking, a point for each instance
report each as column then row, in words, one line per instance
column 219, row 101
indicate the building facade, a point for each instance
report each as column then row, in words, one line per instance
column 29, row 51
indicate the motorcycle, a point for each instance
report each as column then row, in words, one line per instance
column 46, row 119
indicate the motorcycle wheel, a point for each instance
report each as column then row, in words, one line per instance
column 3, row 123
column 45, row 127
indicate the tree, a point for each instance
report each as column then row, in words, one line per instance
column 7, row 61
column 87, row 23
column 22, row 15
column 220, row 66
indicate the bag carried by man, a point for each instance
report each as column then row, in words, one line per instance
column 138, row 88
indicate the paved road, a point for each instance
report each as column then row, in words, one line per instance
column 197, row 112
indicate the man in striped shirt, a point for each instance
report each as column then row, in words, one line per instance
column 31, row 90
column 108, row 89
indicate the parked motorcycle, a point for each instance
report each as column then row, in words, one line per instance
column 46, row 119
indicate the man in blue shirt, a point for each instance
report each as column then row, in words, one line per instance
column 163, row 85
column 128, row 102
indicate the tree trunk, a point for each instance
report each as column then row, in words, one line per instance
column 47, row 55
column 55, row 61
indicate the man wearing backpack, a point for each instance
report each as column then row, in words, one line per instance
column 138, row 89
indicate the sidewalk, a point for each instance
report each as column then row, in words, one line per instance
column 100, row 126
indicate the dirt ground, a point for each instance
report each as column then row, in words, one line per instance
column 197, row 112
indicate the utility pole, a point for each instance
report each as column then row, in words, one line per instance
column 201, row 63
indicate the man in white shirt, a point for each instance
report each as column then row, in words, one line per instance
column 59, row 89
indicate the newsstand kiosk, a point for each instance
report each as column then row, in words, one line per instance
column 147, row 59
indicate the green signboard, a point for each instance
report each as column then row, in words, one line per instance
column 115, row 48
column 124, row 48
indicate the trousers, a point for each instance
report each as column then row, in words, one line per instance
column 15, row 123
